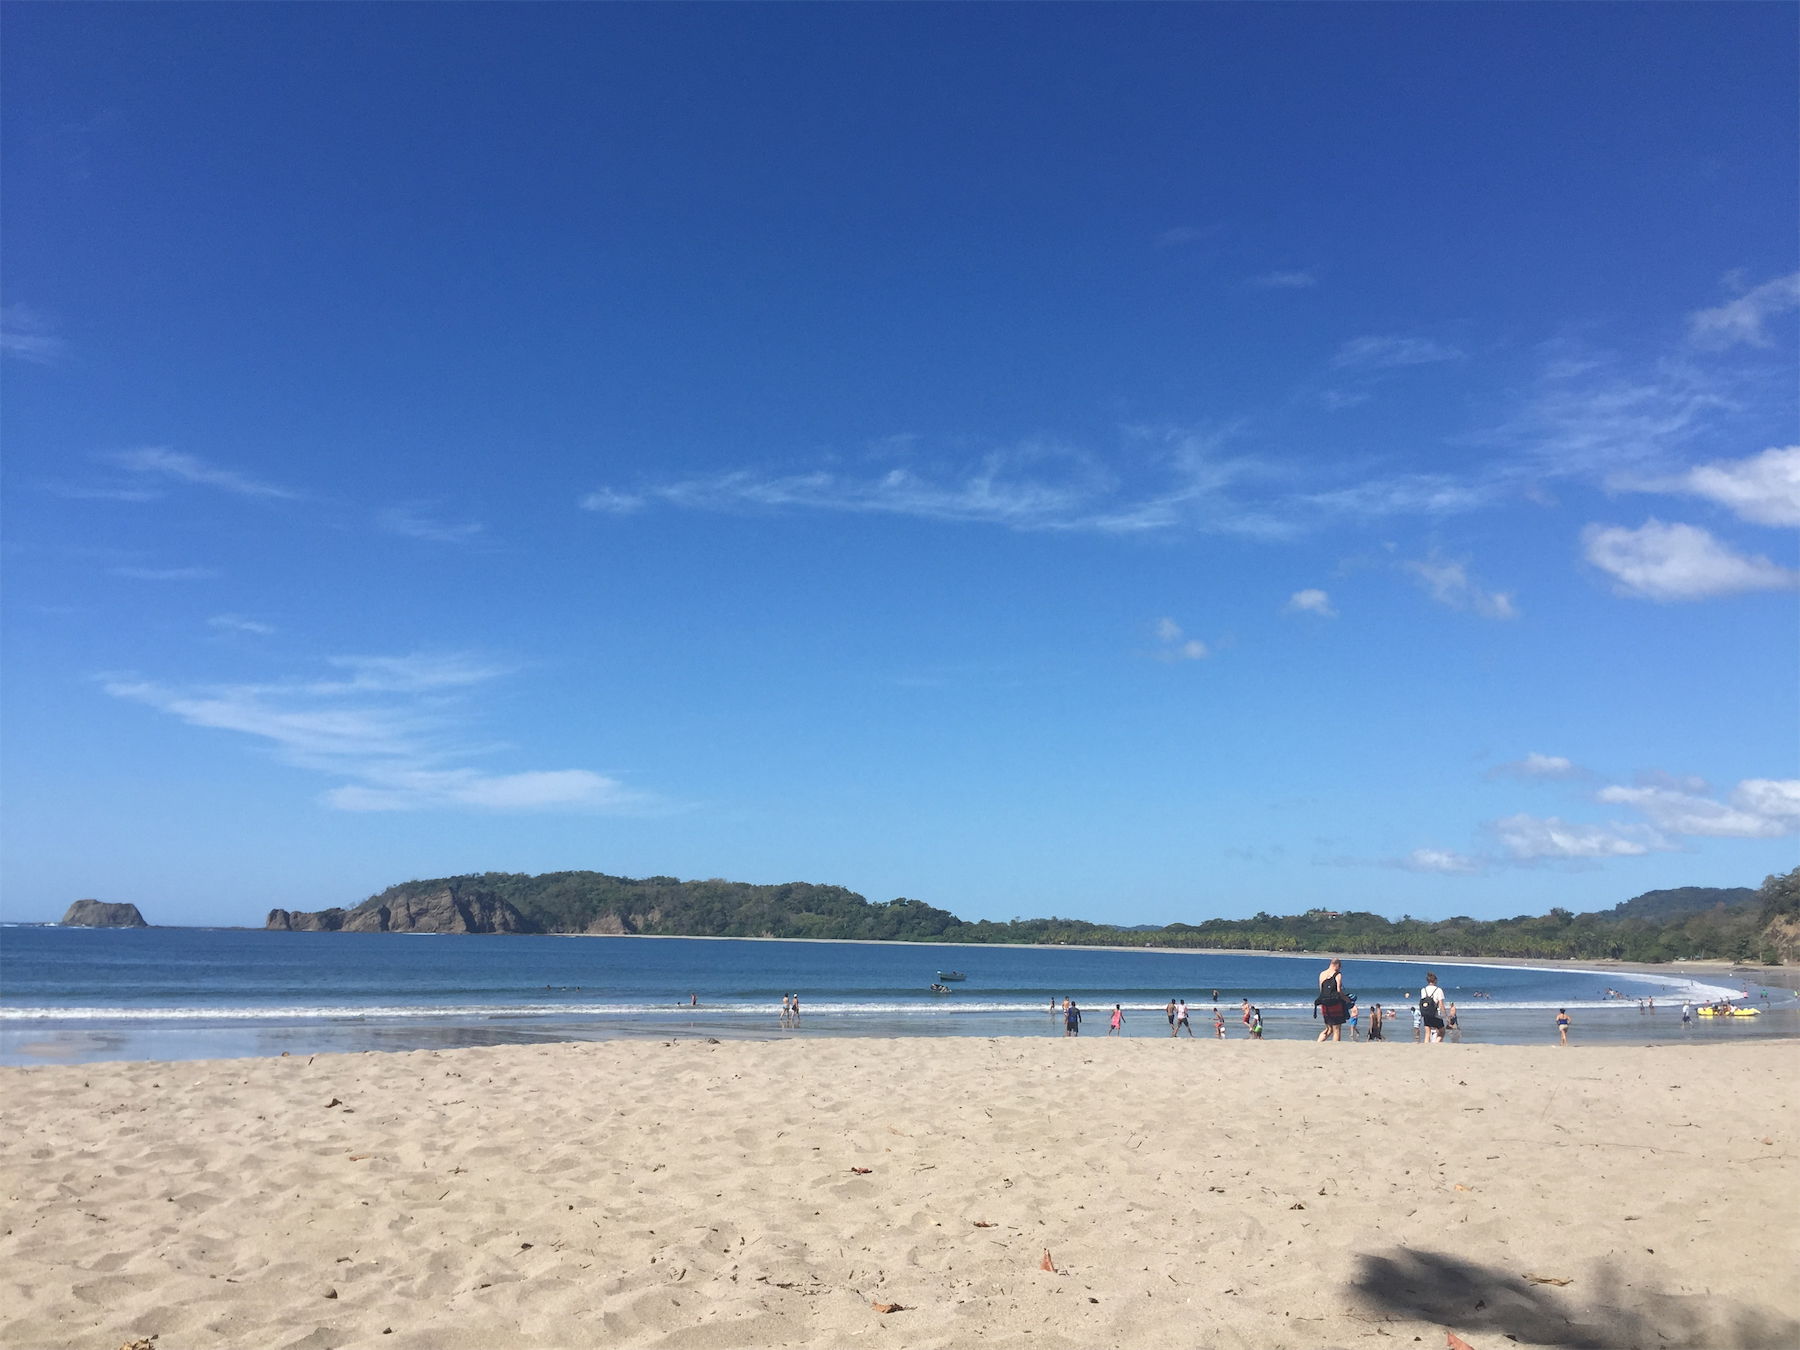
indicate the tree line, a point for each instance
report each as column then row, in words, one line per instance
column 1692, row 923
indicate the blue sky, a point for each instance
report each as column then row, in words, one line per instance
column 1139, row 463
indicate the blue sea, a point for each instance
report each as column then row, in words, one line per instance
column 74, row 994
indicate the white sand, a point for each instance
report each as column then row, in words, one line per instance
column 638, row 1193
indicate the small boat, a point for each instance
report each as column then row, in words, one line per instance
column 940, row 988
column 1729, row 1012
column 947, row 975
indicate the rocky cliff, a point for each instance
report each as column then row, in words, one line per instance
column 302, row 921
column 449, row 910
column 100, row 914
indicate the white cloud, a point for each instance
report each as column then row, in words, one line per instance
column 237, row 623
column 1176, row 645
column 1285, row 281
column 1678, row 562
column 1449, row 583
column 1746, row 319
column 612, row 502
column 1759, row 808
column 1311, row 601
column 420, row 672
column 1533, row 838
column 102, row 492
column 1381, row 353
column 156, row 462
column 1032, row 486
column 390, row 728
column 1673, row 809
column 413, row 521
column 1429, row 494
column 1763, row 489
column 1590, row 418
column 1535, row 765
column 164, row 573
column 26, row 336
column 415, row 790
column 1442, row 861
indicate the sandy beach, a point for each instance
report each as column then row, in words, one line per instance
column 1043, row 1193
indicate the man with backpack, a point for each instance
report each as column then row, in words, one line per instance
column 1431, row 1009
column 1332, row 1002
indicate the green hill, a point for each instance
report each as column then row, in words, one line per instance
column 1685, row 923
column 1684, row 900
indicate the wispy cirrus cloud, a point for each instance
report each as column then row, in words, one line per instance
column 164, row 573
column 1448, row 582
column 612, row 502
column 1299, row 279
column 1181, row 478
column 1539, row 766
column 1444, row 862
column 1585, row 416
column 1745, row 319
column 26, row 335
column 1436, row 861
column 1590, row 416
column 1390, row 351
column 237, row 623
column 156, row 462
column 1177, row 235
column 104, row 492
column 1673, row 562
column 418, row 520
column 1406, row 494
column 393, row 729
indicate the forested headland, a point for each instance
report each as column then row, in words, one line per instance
column 1687, row 923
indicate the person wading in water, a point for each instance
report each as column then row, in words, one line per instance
column 1332, row 1003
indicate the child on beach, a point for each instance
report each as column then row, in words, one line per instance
column 1218, row 1024
column 1118, row 1021
column 1256, row 1024
column 1562, row 1025
column 1181, row 1018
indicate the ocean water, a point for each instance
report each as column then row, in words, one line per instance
column 73, row 995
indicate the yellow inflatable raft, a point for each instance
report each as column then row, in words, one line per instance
column 1730, row 1012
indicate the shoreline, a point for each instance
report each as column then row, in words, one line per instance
column 1785, row 976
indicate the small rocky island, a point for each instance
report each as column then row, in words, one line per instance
column 100, row 914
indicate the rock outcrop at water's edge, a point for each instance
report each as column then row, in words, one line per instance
column 101, row 914
column 448, row 910
column 303, row 921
